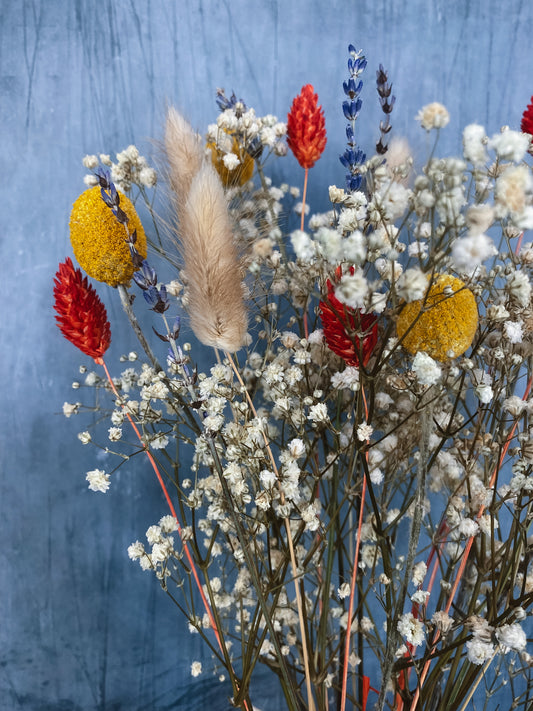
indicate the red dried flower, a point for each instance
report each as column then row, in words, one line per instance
column 527, row 119
column 81, row 316
column 349, row 333
column 306, row 128
column 527, row 122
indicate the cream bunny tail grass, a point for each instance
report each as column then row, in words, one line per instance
column 211, row 263
column 185, row 154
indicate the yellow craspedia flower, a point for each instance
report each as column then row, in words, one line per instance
column 444, row 324
column 99, row 240
column 243, row 170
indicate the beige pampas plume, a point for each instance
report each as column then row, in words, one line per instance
column 211, row 263
column 185, row 154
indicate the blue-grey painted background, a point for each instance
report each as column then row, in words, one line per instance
column 81, row 627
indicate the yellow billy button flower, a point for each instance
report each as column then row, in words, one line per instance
column 243, row 170
column 99, row 240
column 444, row 324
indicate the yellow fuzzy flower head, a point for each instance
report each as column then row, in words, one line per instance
column 243, row 170
column 443, row 324
column 99, row 240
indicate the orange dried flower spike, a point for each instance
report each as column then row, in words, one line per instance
column 306, row 128
column 81, row 316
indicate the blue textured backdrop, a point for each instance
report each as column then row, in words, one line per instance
column 81, row 627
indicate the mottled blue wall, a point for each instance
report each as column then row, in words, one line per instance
column 81, row 627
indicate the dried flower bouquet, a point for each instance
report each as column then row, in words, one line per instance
column 357, row 514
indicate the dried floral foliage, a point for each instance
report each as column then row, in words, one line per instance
column 373, row 426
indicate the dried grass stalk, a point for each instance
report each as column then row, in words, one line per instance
column 211, row 263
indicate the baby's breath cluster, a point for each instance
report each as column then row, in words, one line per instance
column 130, row 168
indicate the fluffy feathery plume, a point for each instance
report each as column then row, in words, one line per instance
column 185, row 154
column 211, row 264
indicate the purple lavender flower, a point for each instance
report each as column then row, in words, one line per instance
column 353, row 157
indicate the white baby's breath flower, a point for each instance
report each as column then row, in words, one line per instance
column 479, row 651
column 348, row 378
column 160, row 441
column 471, row 251
column 412, row 285
column 196, row 668
column 231, row 161
column 433, row 115
column 482, row 382
column 514, row 405
column 376, row 476
column 511, row 637
column 513, row 331
column 343, row 591
column 310, row 518
column 510, row 145
column 352, row 289
column 301, row 357
column 316, row 337
column 318, row 413
column 479, row 218
column 148, row 177
column 420, row 597
column 336, row 194
column 303, row 246
column 468, row 527
column 513, row 191
column 442, row 621
column 84, row 437
column 519, row 287
column 354, row 247
column 90, row 162
column 474, row 140
column 484, row 393
column 296, row 448
column 98, row 480
column 419, row 573
column 168, row 524
column 90, row 180
column 114, row 433
column 411, row 629
column 427, row 370
column 70, row 409
column 364, row 432
column 136, row 550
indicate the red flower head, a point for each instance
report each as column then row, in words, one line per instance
column 306, row 128
column 527, row 120
column 349, row 333
column 81, row 316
